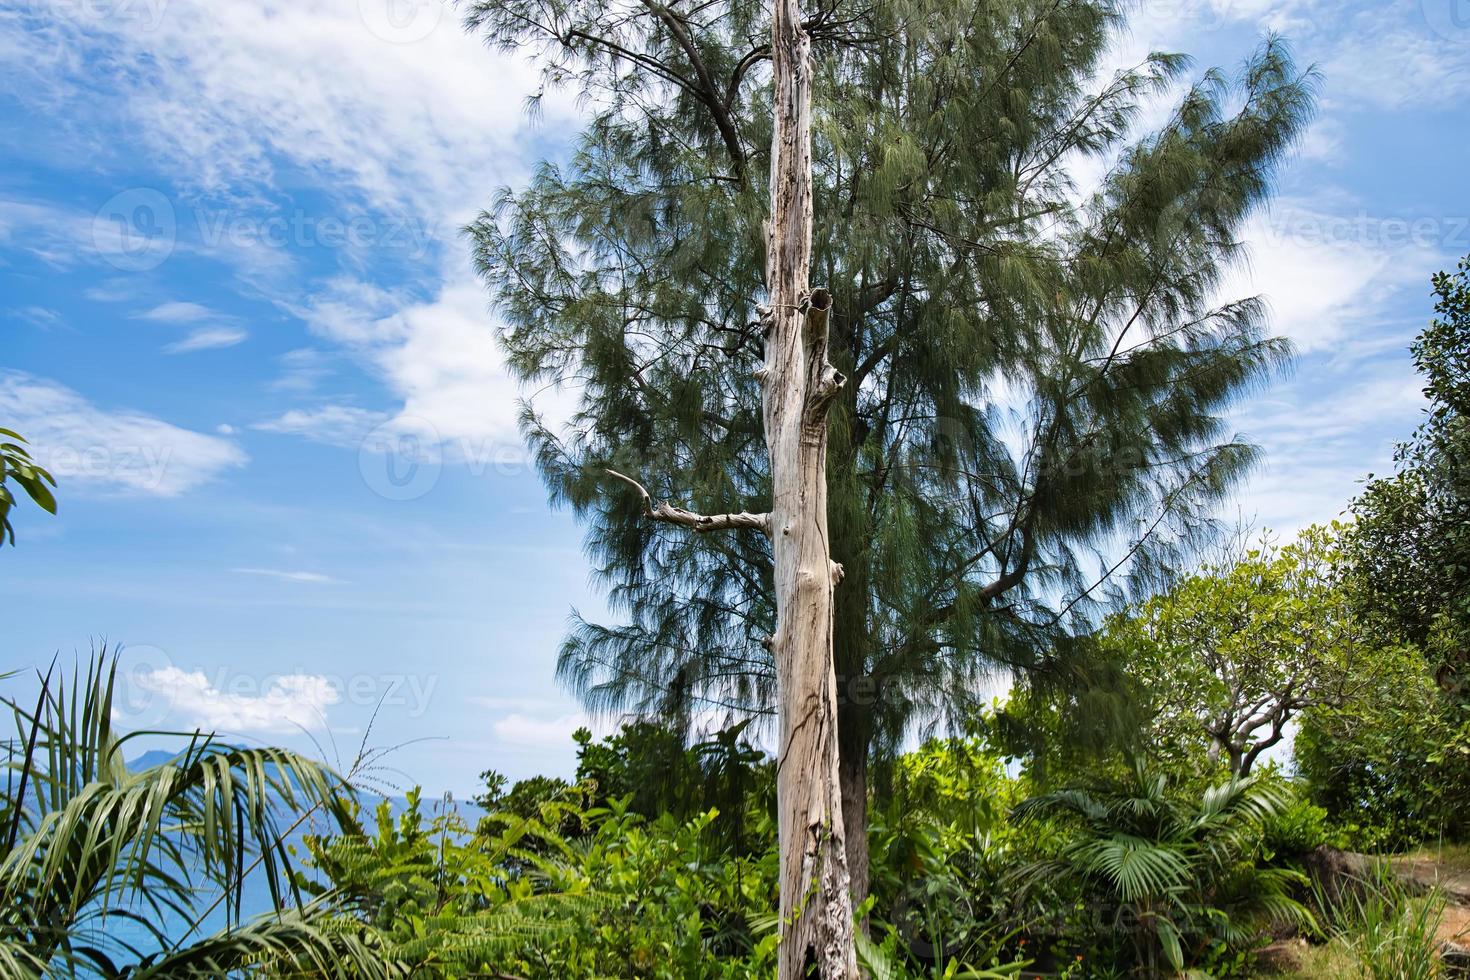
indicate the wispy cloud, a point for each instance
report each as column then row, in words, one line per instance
column 118, row 449
column 206, row 338
column 212, row 329
column 39, row 316
column 344, row 426
column 395, row 125
column 179, row 312
column 311, row 578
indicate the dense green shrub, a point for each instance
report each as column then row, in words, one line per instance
column 1394, row 769
column 1166, row 882
column 630, row 898
column 942, row 846
column 1297, row 828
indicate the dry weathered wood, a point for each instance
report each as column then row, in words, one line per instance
column 659, row 511
column 798, row 385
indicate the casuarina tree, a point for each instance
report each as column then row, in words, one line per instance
column 1022, row 293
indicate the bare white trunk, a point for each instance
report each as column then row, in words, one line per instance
column 797, row 388
column 798, row 385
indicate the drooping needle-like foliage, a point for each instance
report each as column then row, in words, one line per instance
column 1038, row 361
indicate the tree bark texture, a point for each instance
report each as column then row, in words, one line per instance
column 798, row 385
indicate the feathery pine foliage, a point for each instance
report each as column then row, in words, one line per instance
column 1169, row 883
column 1034, row 374
column 89, row 843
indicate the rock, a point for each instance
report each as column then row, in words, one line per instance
column 1286, row 956
column 1337, row 873
column 1424, row 873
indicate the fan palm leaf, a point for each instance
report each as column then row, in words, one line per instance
column 1185, row 870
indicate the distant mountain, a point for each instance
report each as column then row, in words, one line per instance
column 149, row 759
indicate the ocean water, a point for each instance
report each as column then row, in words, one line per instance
column 255, row 898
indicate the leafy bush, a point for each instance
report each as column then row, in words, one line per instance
column 630, row 898
column 649, row 767
column 1393, row 770
column 1297, row 828
column 1167, row 883
column 942, row 845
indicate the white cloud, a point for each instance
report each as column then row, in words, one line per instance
column 118, row 450
column 331, row 425
column 206, row 338
column 1384, row 59
column 310, row 578
column 278, row 705
column 178, row 312
column 439, row 357
column 56, row 235
column 1329, row 270
column 212, row 331
column 301, row 370
column 39, row 316
column 1383, row 55
column 114, row 290
column 406, row 124
column 412, row 122
column 524, row 731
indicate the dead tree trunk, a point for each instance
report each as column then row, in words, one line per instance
column 798, row 386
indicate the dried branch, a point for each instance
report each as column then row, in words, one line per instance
column 669, row 514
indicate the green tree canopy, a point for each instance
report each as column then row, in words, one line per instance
column 1411, row 539
column 1224, row 660
column 1036, row 374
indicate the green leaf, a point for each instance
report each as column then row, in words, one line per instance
column 1169, row 936
column 36, row 488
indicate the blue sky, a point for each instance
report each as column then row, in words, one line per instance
column 239, row 325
